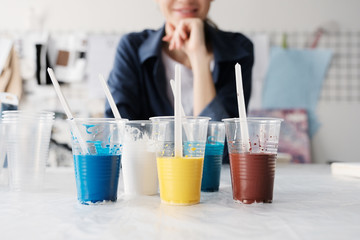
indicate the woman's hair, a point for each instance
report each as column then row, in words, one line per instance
column 211, row 23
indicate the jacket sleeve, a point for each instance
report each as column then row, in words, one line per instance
column 124, row 80
column 224, row 105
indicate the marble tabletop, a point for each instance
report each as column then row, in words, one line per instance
column 309, row 203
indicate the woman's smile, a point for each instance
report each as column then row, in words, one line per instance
column 186, row 12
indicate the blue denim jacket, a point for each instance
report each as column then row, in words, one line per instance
column 138, row 81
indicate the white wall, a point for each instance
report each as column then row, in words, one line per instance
column 338, row 136
column 129, row 15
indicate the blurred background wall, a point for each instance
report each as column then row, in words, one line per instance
column 126, row 15
column 91, row 20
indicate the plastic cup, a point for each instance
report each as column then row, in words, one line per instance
column 2, row 151
column 139, row 159
column 27, row 137
column 97, row 172
column 253, row 171
column 2, row 145
column 213, row 157
column 180, row 177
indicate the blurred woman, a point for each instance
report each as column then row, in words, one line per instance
column 145, row 62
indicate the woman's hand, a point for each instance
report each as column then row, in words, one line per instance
column 188, row 36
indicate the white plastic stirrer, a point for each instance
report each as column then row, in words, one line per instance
column 187, row 132
column 109, row 97
column 67, row 110
column 241, row 108
column 177, row 103
column 172, row 84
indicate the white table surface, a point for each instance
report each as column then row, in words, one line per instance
column 309, row 203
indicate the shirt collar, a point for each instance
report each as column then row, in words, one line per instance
column 225, row 46
column 151, row 47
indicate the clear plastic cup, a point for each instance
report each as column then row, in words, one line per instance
column 214, row 151
column 139, row 159
column 253, row 170
column 2, row 152
column 180, row 177
column 27, row 137
column 97, row 170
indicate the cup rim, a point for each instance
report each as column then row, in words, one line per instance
column 255, row 119
column 15, row 120
column 139, row 121
column 172, row 118
column 216, row 123
column 26, row 113
column 98, row 120
column 21, row 115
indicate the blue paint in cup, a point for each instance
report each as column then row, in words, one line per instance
column 97, row 170
column 212, row 167
column 97, row 177
column 213, row 156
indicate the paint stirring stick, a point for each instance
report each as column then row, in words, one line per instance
column 109, row 97
column 67, row 110
column 187, row 132
column 241, row 108
column 177, row 103
column 172, row 84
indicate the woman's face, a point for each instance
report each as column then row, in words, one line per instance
column 175, row 10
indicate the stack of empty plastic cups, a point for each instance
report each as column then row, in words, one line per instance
column 2, row 153
column 27, row 136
